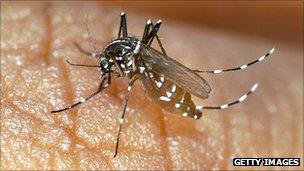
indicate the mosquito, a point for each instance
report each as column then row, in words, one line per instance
column 164, row 79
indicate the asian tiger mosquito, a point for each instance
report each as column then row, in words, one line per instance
column 164, row 79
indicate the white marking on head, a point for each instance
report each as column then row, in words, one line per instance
column 173, row 88
column 120, row 120
column 129, row 88
column 217, row 71
column 158, row 84
column 110, row 60
column 243, row 66
column 106, row 85
column 127, row 71
column 195, row 116
column 122, row 13
column 106, row 65
column 162, row 78
column 198, row 107
column 164, row 98
column 159, row 21
column 169, row 94
column 136, row 50
column 224, row 106
column 271, row 51
column 185, row 114
column 83, row 100
column 254, row 87
column 142, row 69
column 177, row 105
column 122, row 65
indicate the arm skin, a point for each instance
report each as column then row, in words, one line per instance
column 37, row 39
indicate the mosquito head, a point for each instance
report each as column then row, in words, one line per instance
column 120, row 53
column 105, row 64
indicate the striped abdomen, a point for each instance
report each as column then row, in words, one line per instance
column 169, row 96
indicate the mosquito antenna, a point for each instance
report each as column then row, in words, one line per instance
column 224, row 106
column 83, row 65
column 218, row 71
column 92, row 42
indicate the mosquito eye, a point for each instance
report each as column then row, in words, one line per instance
column 104, row 63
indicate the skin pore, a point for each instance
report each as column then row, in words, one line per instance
column 36, row 40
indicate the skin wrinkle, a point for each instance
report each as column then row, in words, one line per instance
column 164, row 135
column 226, row 121
column 223, row 121
column 187, row 144
column 48, row 38
column 69, row 97
column 46, row 55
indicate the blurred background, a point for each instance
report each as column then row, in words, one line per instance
column 36, row 39
column 279, row 21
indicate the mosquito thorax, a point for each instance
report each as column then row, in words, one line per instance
column 123, row 51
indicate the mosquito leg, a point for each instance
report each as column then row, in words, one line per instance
column 101, row 87
column 218, row 71
column 123, row 26
column 146, row 30
column 153, row 32
column 133, row 79
column 83, row 65
column 94, row 55
column 148, row 38
column 158, row 41
column 224, row 106
column 160, row 45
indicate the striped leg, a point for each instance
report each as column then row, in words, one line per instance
column 133, row 79
column 123, row 26
column 218, row 71
column 148, row 35
column 101, row 87
column 242, row 98
column 146, row 30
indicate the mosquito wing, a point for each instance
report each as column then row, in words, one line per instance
column 176, row 72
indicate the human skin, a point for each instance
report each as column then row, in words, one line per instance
column 37, row 38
